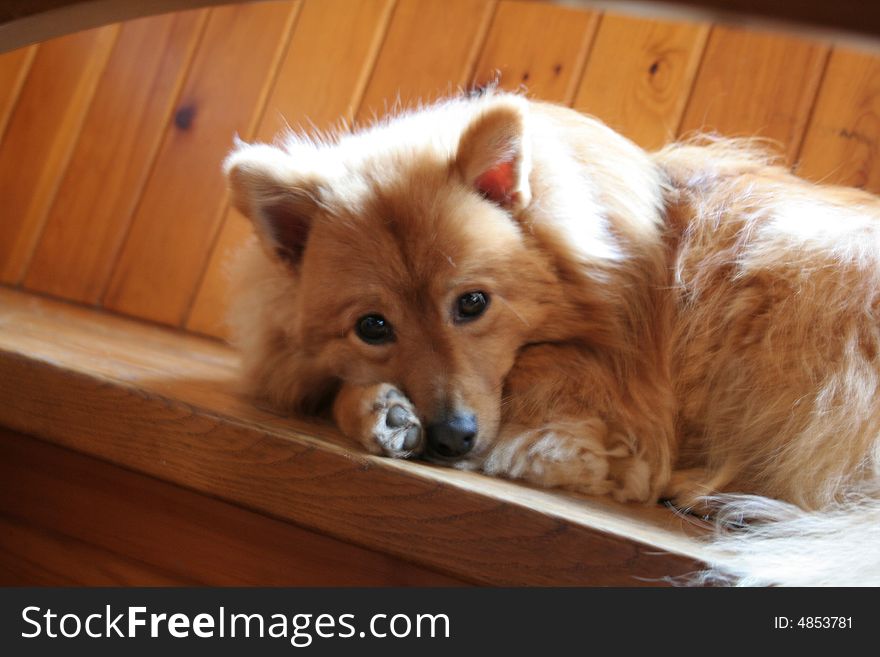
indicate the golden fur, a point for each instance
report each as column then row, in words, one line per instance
column 676, row 324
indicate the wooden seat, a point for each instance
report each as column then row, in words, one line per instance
column 164, row 403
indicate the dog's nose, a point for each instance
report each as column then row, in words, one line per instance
column 454, row 436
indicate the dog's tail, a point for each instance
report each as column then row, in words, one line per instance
column 761, row 542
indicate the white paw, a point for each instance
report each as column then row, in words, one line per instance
column 558, row 456
column 575, row 462
column 572, row 455
column 393, row 425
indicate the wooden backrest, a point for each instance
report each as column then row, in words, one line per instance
column 111, row 139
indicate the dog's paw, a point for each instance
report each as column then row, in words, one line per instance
column 553, row 457
column 393, row 424
column 574, row 456
column 381, row 418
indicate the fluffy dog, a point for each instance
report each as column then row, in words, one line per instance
column 505, row 285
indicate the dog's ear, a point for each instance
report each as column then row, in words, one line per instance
column 494, row 156
column 280, row 201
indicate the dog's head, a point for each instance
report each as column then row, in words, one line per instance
column 411, row 261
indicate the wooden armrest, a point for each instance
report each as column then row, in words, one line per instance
column 165, row 403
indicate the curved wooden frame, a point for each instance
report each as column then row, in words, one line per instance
column 23, row 22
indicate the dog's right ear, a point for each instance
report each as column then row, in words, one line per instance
column 277, row 198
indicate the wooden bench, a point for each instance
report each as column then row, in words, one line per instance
column 128, row 456
column 164, row 403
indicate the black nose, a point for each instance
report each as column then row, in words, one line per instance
column 454, row 436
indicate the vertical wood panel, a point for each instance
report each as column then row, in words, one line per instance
column 756, row 84
column 429, row 51
column 41, row 133
column 111, row 160
column 537, row 47
column 325, row 72
column 111, row 188
column 842, row 144
column 428, row 43
column 208, row 313
column 640, row 74
column 14, row 67
column 320, row 82
column 179, row 213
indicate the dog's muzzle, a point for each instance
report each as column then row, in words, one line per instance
column 453, row 436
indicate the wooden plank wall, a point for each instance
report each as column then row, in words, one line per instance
column 111, row 139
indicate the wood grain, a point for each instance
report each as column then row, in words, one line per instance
column 14, row 67
column 41, row 556
column 842, row 144
column 165, row 404
column 208, row 313
column 540, row 48
column 640, row 74
column 180, row 211
column 429, row 51
column 322, row 80
column 92, row 519
column 756, row 84
column 319, row 85
column 40, row 136
column 117, row 145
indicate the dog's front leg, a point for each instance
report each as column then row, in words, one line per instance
column 576, row 454
column 380, row 418
column 569, row 422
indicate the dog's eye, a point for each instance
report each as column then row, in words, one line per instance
column 470, row 306
column 374, row 329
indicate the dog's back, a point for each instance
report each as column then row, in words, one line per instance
column 777, row 334
column 776, row 350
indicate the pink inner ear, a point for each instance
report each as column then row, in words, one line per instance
column 497, row 184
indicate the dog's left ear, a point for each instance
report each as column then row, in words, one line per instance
column 494, row 156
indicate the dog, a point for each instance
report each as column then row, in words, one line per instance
column 504, row 285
